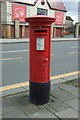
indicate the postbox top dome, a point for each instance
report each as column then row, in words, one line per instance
column 40, row 19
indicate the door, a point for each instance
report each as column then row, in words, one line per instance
column 58, row 32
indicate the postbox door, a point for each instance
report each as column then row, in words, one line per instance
column 41, row 59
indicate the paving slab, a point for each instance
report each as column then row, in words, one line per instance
column 74, row 83
column 48, row 107
column 26, row 88
column 17, row 90
column 22, row 101
column 69, row 88
column 57, row 81
column 8, row 105
column 71, row 78
column 42, row 114
column 57, row 104
column 5, row 93
column 51, row 109
column 21, row 98
column 12, row 91
column 55, row 88
column 67, row 113
column 15, row 114
column 28, row 107
column 73, row 103
column 62, row 95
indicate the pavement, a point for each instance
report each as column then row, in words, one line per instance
column 63, row 101
column 27, row 40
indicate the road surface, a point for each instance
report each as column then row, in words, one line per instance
column 15, row 60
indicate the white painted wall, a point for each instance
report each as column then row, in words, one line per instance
column 33, row 9
column 3, row 12
column 9, row 13
column 27, row 11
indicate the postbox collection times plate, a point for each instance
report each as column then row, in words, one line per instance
column 40, row 43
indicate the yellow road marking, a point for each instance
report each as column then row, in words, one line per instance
column 27, row 83
column 64, row 75
column 14, row 86
column 12, row 58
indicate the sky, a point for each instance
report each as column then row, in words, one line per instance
column 71, row 6
column 72, row 9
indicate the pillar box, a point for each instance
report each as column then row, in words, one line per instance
column 40, row 39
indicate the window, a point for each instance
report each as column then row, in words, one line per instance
column 41, row 11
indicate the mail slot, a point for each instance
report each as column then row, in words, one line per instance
column 40, row 31
column 40, row 40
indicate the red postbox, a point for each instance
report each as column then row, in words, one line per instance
column 40, row 34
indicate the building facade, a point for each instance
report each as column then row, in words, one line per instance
column 11, row 11
column 68, row 22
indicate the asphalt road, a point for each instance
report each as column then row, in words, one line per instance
column 15, row 60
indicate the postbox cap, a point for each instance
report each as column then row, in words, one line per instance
column 40, row 20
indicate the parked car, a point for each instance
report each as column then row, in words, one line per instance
column 66, row 33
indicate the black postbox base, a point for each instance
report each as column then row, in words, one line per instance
column 39, row 93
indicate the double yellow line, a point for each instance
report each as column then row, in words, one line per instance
column 27, row 83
